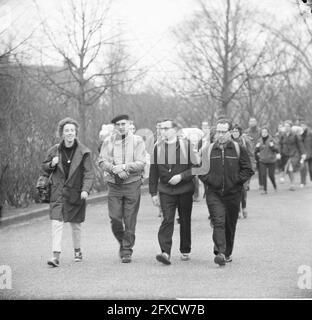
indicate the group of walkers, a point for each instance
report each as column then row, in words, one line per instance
column 223, row 158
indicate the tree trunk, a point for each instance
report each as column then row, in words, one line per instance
column 223, row 108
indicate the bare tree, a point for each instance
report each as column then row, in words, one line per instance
column 90, row 50
column 296, row 37
column 221, row 49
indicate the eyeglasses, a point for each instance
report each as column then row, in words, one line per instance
column 168, row 128
column 121, row 124
column 221, row 131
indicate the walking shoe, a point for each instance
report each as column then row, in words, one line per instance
column 228, row 259
column 163, row 258
column 78, row 256
column 185, row 256
column 245, row 213
column 126, row 259
column 53, row 262
column 264, row 192
column 301, row 185
column 292, row 188
column 220, row 259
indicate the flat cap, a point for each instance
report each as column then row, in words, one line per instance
column 120, row 117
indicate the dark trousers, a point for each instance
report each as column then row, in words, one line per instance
column 244, row 197
column 123, row 207
column 307, row 165
column 169, row 204
column 224, row 214
column 259, row 175
column 244, row 194
column 264, row 167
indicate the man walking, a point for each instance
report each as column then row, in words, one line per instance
column 123, row 157
column 224, row 182
column 171, row 176
column 293, row 151
column 254, row 132
column 307, row 143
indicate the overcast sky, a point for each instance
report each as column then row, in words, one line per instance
column 147, row 22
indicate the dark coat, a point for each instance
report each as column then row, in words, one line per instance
column 307, row 142
column 228, row 172
column 66, row 204
column 292, row 148
column 265, row 152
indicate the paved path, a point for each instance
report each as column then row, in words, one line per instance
column 270, row 246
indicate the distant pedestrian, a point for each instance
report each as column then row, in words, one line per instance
column 306, row 165
column 266, row 150
column 293, row 150
column 224, row 182
column 106, row 130
column 123, row 157
column 253, row 132
column 281, row 158
column 72, row 179
column 244, row 141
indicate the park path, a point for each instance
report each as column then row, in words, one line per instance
column 271, row 244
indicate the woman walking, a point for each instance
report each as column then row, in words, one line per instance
column 266, row 149
column 72, row 178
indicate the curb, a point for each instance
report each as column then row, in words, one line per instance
column 40, row 212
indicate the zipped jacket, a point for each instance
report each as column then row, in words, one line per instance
column 228, row 172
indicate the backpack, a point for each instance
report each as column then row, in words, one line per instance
column 43, row 188
column 43, row 185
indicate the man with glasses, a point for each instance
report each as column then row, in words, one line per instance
column 171, row 177
column 224, row 182
column 123, row 157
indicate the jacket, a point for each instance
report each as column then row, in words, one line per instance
column 265, row 152
column 129, row 151
column 291, row 146
column 162, row 169
column 307, row 142
column 228, row 172
column 65, row 202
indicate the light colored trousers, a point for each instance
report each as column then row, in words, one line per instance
column 57, row 232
